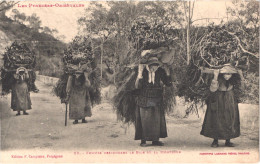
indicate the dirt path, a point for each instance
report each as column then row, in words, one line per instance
column 44, row 129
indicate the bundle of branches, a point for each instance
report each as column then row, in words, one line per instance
column 17, row 55
column 216, row 48
column 248, row 41
column 150, row 39
column 60, row 87
column 125, row 98
column 79, row 53
column 150, row 34
column 7, row 80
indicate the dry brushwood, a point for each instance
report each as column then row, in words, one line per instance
column 17, row 55
column 79, row 53
column 149, row 39
column 216, row 48
column 125, row 98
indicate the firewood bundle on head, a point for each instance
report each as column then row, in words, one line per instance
column 150, row 38
column 16, row 56
column 125, row 98
column 79, row 57
column 217, row 49
column 148, row 34
column 78, row 53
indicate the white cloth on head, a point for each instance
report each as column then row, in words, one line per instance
column 140, row 71
column 145, row 52
column 151, row 75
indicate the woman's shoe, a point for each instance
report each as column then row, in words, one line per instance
column 36, row 90
column 25, row 113
column 229, row 144
column 157, row 143
column 75, row 122
column 18, row 113
column 84, row 121
column 214, row 143
column 143, row 143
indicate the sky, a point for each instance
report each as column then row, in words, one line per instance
column 64, row 19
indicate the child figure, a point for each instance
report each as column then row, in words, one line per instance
column 20, row 97
column 221, row 120
column 78, row 96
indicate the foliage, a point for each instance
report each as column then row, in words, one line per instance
column 17, row 16
column 251, row 95
column 49, row 66
column 79, row 53
column 6, row 5
column 17, row 55
column 236, row 42
column 150, row 35
column 60, row 87
column 34, row 22
column 148, row 31
column 217, row 47
column 7, row 81
column 45, row 47
column 119, row 27
column 130, row 28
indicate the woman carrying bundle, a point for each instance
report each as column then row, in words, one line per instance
column 78, row 97
column 20, row 97
column 221, row 120
column 150, row 124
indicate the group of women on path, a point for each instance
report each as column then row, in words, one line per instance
column 221, row 120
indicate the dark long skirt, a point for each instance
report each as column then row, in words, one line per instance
column 222, row 116
column 150, row 124
column 20, row 97
column 79, row 103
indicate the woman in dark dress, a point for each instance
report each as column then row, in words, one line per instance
column 221, row 120
column 20, row 97
column 150, row 122
column 78, row 97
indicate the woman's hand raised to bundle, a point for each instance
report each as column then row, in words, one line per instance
column 87, row 82
column 167, row 70
column 242, row 79
column 216, row 73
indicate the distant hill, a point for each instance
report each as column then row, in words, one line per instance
column 48, row 49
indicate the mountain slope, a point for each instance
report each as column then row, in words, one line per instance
column 47, row 48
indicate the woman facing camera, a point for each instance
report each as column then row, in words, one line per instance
column 221, row 120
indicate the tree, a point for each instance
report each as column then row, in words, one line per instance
column 6, row 5
column 246, row 13
column 49, row 31
column 18, row 17
column 244, row 25
column 188, row 15
column 95, row 24
column 34, row 22
column 113, row 24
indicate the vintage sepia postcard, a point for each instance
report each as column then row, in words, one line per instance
column 129, row 81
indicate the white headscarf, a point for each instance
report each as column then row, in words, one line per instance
column 151, row 75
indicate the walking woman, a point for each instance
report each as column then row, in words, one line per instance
column 150, row 122
column 20, row 97
column 221, row 120
column 78, row 97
